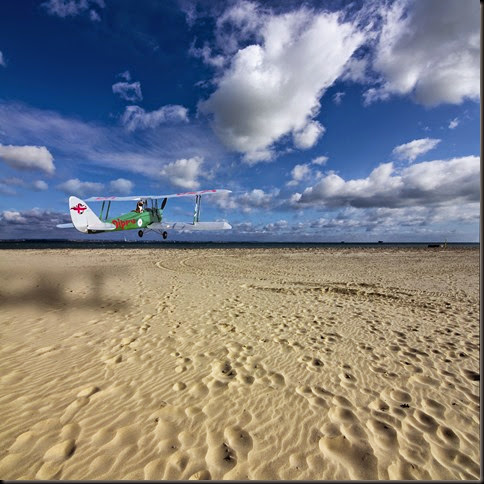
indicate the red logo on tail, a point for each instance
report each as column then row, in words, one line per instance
column 79, row 208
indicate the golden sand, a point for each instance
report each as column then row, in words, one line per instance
column 240, row 364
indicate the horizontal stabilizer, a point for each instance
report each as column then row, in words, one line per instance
column 190, row 226
column 101, row 226
column 65, row 226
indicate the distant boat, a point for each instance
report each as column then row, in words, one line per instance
column 380, row 241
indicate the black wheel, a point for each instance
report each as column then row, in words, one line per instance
column 140, row 233
column 164, row 235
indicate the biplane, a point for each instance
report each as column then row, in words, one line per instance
column 146, row 216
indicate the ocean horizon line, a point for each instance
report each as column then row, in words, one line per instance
column 106, row 243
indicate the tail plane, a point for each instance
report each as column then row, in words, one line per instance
column 84, row 219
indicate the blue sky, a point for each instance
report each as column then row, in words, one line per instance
column 328, row 120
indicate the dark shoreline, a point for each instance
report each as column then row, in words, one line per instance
column 109, row 244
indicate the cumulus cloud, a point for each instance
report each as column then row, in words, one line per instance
column 184, row 172
column 454, row 123
column 40, row 185
column 28, row 158
column 34, row 223
column 73, row 8
column 319, row 160
column 273, row 86
column 13, row 216
column 430, row 183
column 410, row 151
column 121, row 186
column 430, row 50
column 395, row 221
column 74, row 186
column 128, row 91
column 246, row 202
column 205, row 53
column 309, row 135
column 135, row 117
column 2, row 60
column 299, row 173
column 355, row 70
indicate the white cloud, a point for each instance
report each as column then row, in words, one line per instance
column 454, row 123
column 205, row 53
column 128, row 91
column 429, row 49
column 273, row 86
column 355, row 70
column 320, row 160
column 40, row 185
column 28, row 158
column 338, row 97
column 135, row 117
column 74, row 186
column 94, row 16
column 72, row 8
column 246, row 202
column 309, row 135
column 183, row 173
column 125, row 75
column 430, row 183
column 2, row 60
column 91, row 143
column 299, row 173
column 239, row 23
column 410, row 151
column 413, row 221
column 34, row 223
column 121, row 186
column 13, row 181
column 13, row 216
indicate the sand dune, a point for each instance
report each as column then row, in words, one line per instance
column 240, row 364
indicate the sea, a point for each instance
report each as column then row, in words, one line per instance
column 25, row 244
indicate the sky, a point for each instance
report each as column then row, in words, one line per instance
column 328, row 120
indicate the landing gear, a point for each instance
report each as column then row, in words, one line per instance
column 140, row 233
column 164, row 235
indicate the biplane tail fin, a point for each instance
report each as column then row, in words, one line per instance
column 84, row 219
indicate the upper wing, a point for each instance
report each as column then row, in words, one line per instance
column 155, row 197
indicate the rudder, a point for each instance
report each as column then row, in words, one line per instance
column 84, row 219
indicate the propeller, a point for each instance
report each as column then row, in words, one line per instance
column 163, row 203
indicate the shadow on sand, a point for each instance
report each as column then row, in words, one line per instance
column 57, row 290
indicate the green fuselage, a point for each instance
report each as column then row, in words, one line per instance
column 136, row 220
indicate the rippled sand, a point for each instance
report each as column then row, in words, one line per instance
column 240, row 364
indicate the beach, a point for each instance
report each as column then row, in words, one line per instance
column 307, row 363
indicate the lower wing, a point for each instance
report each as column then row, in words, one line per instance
column 190, row 226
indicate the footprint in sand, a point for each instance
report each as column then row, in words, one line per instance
column 355, row 458
column 54, row 459
column 314, row 397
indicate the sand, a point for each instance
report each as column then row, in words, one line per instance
column 240, row 364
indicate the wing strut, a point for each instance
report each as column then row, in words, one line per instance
column 102, row 210
column 198, row 203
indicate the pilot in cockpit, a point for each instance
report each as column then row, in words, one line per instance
column 139, row 206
